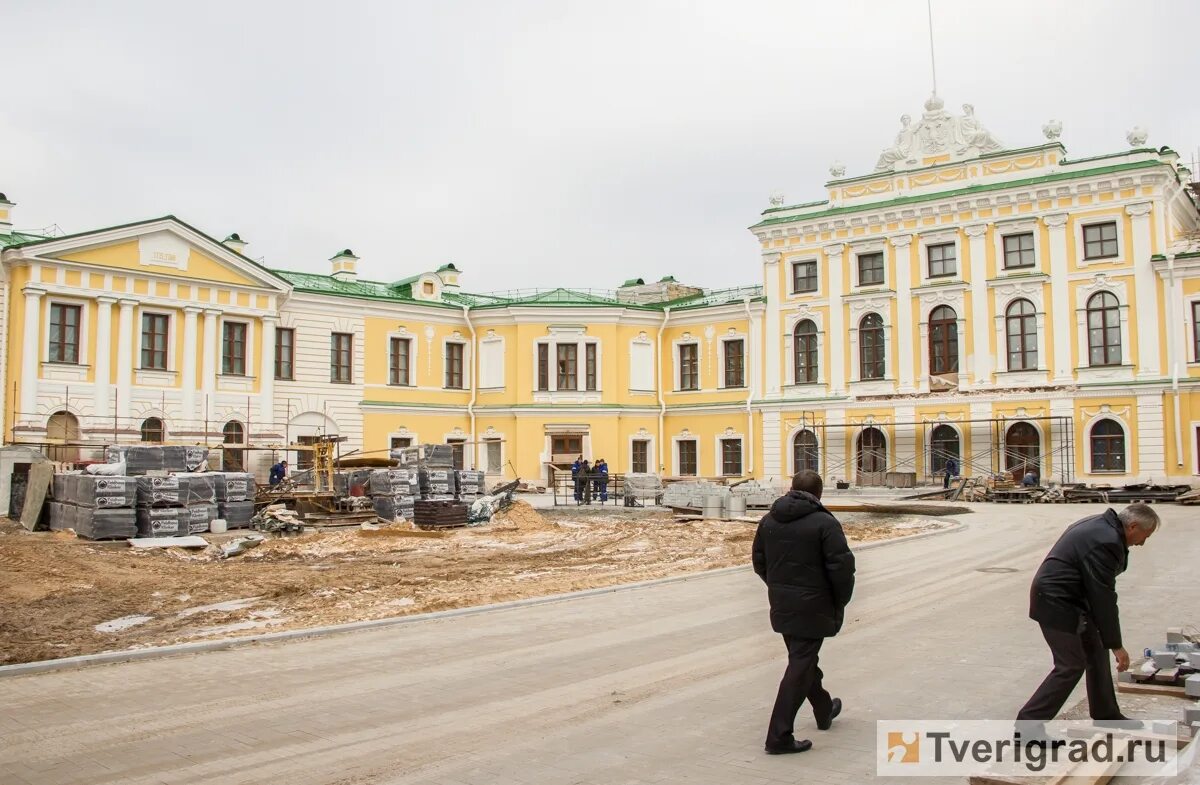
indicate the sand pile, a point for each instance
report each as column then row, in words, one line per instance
column 521, row 517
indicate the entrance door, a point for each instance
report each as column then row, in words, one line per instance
column 565, row 448
column 1022, row 450
column 871, row 458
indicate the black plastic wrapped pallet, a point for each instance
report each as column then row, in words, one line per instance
column 236, row 514
column 176, row 490
column 140, row 459
column 162, row 521
column 390, row 482
column 200, row 517
column 233, row 486
column 428, row 455
column 88, row 490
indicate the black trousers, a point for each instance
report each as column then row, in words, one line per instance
column 1075, row 654
column 801, row 680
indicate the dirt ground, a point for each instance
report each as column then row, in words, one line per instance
column 61, row 596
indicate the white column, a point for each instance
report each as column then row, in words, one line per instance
column 208, row 380
column 833, row 447
column 772, row 469
column 102, row 393
column 1060, row 301
column 981, row 356
column 125, row 359
column 1146, row 291
column 773, row 327
column 188, row 371
column 1151, row 447
column 834, row 345
column 904, row 312
column 266, row 380
column 31, row 350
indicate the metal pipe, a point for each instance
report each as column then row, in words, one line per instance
column 746, row 355
column 662, row 403
column 1174, row 344
column 474, row 383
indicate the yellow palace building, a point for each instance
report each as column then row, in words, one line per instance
column 1015, row 309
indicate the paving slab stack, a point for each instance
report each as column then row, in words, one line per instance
column 143, row 459
column 234, row 492
column 175, row 505
column 95, row 507
column 393, row 492
column 438, row 456
column 470, row 484
column 437, row 484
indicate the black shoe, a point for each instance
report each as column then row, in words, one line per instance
column 833, row 712
column 797, row 745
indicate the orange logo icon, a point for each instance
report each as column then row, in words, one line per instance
column 903, row 747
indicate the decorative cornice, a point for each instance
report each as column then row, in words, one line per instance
column 1138, row 210
column 834, row 249
column 1056, row 220
column 975, row 230
column 901, row 240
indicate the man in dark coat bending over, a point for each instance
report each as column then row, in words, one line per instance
column 1074, row 599
column 800, row 552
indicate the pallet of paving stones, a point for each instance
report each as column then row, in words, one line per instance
column 176, row 490
column 236, row 514
column 470, row 482
column 93, row 523
column 233, row 486
column 1174, row 673
column 429, row 455
column 436, row 481
column 89, row 490
column 429, row 514
column 175, row 521
column 392, row 507
column 141, row 459
column 393, row 482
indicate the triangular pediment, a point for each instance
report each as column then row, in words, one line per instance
column 165, row 247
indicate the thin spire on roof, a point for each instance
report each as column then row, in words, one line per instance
column 932, row 61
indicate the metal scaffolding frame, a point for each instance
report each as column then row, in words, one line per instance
column 1055, row 448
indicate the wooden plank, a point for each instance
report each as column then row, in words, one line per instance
column 1151, row 689
column 962, row 483
column 40, row 477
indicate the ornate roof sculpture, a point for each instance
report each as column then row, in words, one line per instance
column 938, row 133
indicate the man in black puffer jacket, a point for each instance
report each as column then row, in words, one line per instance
column 800, row 552
column 1074, row 599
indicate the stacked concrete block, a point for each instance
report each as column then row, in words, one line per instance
column 434, row 456
column 1192, row 685
column 234, row 492
column 142, row 459
column 436, row 484
column 393, row 492
column 758, row 494
column 88, row 490
column 237, row 515
column 470, row 483
column 95, row 507
column 193, row 496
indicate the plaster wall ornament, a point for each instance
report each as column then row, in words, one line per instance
column 837, row 169
column 1055, row 220
column 1138, row 210
column 901, row 240
column 937, row 133
column 729, row 431
column 642, row 432
column 1052, row 130
column 429, row 332
column 835, row 249
column 1137, row 136
column 491, row 431
column 776, row 199
column 976, row 230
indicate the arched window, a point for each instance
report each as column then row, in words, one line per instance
column 1021, row 327
column 1108, row 446
column 1022, row 450
column 943, row 445
column 870, row 347
column 153, row 430
column 1104, row 329
column 233, row 460
column 63, row 427
column 872, row 452
column 804, row 344
column 943, row 340
column 805, row 453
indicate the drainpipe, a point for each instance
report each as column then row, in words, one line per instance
column 662, row 403
column 1174, row 359
column 749, row 382
column 474, row 384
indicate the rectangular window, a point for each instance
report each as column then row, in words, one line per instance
column 454, row 366
column 458, row 447
column 400, row 442
column 731, row 457
column 64, row 333
column 641, row 456
column 689, row 366
column 1100, row 241
column 154, row 341
column 589, row 365
column 687, row 458
column 1018, row 251
column 285, row 353
column 735, row 363
column 233, row 349
column 804, row 276
column 494, row 465
column 566, row 446
column 543, row 366
column 1196, row 332
column 398, row 369
column 341, row 357
column 870, row 269
column 943, row 260
column 567, row 357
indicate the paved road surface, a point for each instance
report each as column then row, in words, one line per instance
column 670, row 683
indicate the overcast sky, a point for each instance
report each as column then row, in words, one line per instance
column 538, row 143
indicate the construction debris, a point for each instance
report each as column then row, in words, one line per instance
column 168, row 542
column 277, row 519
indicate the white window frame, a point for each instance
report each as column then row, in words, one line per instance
column 467, row 363
column 869, row 247
column 1121, row 257
column 641, row 340
column 930, row 299
column 1087, row 444
column 651, row 455
column 1086, row 372
column 789, row 346
column 413, row 348
column 675, row 454
column 1014, row 227
column 815, row 261
column 250, row 366
column 678, row 380
column 859, row 307
column 76, row 369
column 718, row 461
column 572, row 335
column 790, row 446
column 724, row 339
column 1002, row 296
column 940, row 237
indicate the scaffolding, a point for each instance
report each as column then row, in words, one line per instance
column 1051, row 455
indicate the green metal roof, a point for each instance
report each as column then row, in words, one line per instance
column 19, row 238
column 957, row 193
